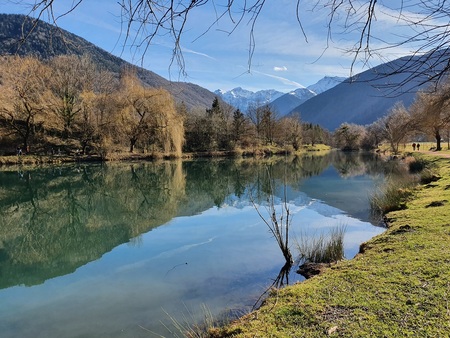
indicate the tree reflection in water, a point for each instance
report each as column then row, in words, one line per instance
column 54, row 220
column 279, row 282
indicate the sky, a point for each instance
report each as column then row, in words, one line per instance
column 283, row 58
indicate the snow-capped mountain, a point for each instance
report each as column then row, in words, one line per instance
column 326, row 83
column 282, row 102
column 242, row 98
column 303, row 93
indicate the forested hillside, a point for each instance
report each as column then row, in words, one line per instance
column 20, row 35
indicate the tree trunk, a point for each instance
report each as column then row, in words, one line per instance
column 288, row 257
column 437, row 135
column 132, row 144
column 26, row 138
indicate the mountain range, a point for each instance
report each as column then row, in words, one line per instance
column 242, row 99
column 282, row 103
column 362, row 98
column 359, row 99
column 365, row 97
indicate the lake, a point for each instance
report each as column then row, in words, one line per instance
column 135, row 249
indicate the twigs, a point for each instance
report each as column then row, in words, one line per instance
column 277, row 222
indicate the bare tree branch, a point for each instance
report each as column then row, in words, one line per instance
column 427, row 23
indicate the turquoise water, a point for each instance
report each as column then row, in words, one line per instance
column 132, row 249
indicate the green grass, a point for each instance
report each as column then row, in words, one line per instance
column 399, row 286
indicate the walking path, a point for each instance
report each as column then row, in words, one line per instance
column 444, row 154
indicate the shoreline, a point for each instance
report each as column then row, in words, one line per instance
column 32, row 159
column 398, row 285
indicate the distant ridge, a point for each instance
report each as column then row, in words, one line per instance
column 370, row 95
column 326, row 83
column 242, row 99
column 47, row 41
column 282, row 103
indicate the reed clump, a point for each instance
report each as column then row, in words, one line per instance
column 190, row 326
column 425, row 169
column 392, row 195
column 324, row 248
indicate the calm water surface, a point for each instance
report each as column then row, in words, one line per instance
column 125, row 250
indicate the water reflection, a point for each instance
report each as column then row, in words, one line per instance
column 105, row 249
column 280, row 281
column 57, row 219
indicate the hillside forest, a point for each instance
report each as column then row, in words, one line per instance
column 69, row 105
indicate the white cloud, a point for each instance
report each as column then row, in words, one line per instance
column 280, row 69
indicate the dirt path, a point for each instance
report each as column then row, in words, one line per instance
column 436, row 153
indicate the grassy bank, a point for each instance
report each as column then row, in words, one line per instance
column 126, row 156
column 399, row 286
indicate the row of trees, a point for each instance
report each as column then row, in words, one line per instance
column 68, row 103
column 223, row 128
column 427, row 118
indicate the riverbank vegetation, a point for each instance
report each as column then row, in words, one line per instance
column 427, row 119
column 68, row 106
column 397, row 286
column 322, row 248
column 399, row 188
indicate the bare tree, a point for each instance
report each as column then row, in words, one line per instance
column 349, row 136
column 375, row 134
column 149, row 115
column 290, row 131
column 431, row 112
column 277, row 221
column 314, row 133
column 23, row 96
column 70, row 76
column 264, row 119
column 396, row 126
column 255, row 115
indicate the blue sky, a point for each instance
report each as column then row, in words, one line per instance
column 282, row 60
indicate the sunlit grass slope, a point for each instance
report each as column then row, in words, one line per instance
column 399, row 286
